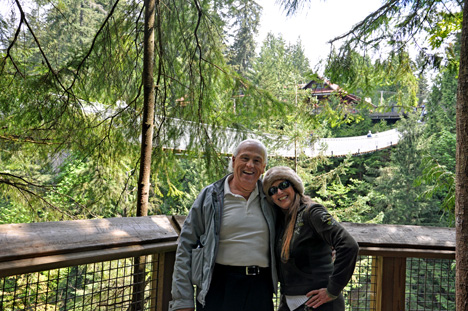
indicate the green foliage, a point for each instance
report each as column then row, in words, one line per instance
column 71, row 113
column 182, row 186
column 280, row 67
column 443, row 148
column 344, row 196
column 359, row 128
column 446, row 26
column 246, row 19
column 441, row 106
column 388, row 83
column 80, row 97
column 12, row 212
column 401, row 202
column 398, row 26
column 441, row 182
column 439, row 162
column 82, row 179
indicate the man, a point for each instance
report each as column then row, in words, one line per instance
column 226, row 246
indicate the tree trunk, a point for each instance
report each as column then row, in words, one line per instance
column 461, row 203
column 139, row 275
column 148, row 111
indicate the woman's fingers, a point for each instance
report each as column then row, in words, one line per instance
column 317, row 298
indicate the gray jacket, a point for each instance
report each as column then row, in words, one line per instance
column 198, row 245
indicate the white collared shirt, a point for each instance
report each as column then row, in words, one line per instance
column 244, row 236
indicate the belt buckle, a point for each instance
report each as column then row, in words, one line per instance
column 252, row 270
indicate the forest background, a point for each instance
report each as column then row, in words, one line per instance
column 78, row 106
column 72, row 103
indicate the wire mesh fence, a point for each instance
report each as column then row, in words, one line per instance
column 360, row 292
column 430, row 284
column 114, row 285
column 108, row 285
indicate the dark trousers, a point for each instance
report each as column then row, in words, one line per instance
column 232, row 290
column 334, row 305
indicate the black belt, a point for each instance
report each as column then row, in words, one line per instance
column 245, row 270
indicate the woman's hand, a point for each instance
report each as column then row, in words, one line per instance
column 318, row 297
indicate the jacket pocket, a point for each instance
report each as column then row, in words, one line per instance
column 197, row 265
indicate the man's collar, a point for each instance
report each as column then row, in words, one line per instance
column 227, row 189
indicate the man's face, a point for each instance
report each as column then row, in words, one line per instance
column 248, row 165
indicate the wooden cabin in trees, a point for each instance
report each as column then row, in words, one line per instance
column 323, row 90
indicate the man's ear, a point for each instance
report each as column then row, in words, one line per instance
column 263, row 170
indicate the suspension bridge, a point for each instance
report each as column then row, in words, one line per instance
column 225, row 141
column 342, row 146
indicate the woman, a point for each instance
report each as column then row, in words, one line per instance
column 306, row 234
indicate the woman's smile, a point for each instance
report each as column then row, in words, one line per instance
column 283, row 198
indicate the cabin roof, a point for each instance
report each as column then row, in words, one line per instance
column 323, row 88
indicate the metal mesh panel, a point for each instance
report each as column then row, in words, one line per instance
column 430, row 284
column 107, row 285
column 359, row 294
column 110, row 285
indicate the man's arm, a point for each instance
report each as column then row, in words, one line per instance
column 192, row 229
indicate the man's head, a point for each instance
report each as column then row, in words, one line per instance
column 248, row 163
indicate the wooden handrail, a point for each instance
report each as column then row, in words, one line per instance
column 26, row 248
column 36, row 247
column 403, row 240
column 402, row 236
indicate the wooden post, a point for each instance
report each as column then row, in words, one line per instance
column 161, row 281
column 390, row 283
column 374, row 293
column 154, row 280
column 139, row 276
column 166, row 296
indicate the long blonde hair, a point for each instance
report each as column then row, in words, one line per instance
column 291, row 217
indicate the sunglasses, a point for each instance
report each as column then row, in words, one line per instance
column 283, row 185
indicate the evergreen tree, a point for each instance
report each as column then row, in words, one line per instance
column 398, row 24
column 441, row 106
column 439, row 160
column 85, row 98
column 397, row 195
column 244, row 28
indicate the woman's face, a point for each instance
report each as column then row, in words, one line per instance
column 284, row 194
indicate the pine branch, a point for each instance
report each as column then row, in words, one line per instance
column 93, row 42
column 23, row 186
column 20, row 139
column 23, row 18
column 8, row 55
column 363, row 26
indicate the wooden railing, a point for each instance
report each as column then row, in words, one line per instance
column 390, row 246
column 38, row 247
column 28, row 248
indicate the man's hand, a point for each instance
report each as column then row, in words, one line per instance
column 318, row 297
